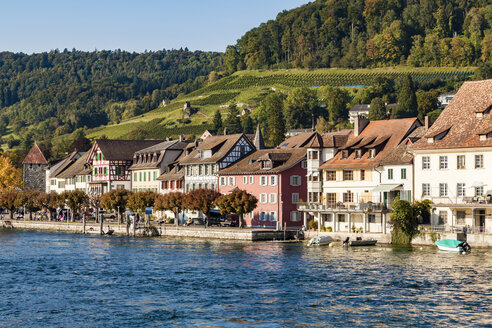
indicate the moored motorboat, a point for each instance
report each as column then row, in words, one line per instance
column 453, row 245
column 359, row 242
column 320, row 241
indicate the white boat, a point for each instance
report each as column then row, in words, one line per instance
column 320, row 241
column 453, row 245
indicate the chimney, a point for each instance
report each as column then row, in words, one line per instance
column 426, row 123
column 360, row 123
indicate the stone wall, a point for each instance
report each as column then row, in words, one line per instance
column 35, row 176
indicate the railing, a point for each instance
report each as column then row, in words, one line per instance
column 461, row 200
column 367, row 207
column 454, row 229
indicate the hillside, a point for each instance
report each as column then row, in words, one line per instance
column 248, row 88
column 369, row 33
column 50, row 94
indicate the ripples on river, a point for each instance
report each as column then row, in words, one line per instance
column 65, row 280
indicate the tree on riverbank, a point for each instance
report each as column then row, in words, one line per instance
column 8, row 201
column 404, row 221
column 50, row 201
column 202, row 200
column 173, row 202
column 138, row 201
column 75, row 200
column 116, row 200
column 28, row 200
column 10, row 176
column 239, row 202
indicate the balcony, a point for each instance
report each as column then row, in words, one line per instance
column 478, row 201
column 343, row 207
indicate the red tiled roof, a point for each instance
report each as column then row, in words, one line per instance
column 384, row 135
column 461, row 120
column 222, row 145
column 35, row 156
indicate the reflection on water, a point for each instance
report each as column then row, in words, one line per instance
column 56, row 279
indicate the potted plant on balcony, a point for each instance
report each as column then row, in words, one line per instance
column 313, row 224
column 353, row 228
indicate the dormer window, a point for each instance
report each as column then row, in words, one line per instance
column 358, row 154
column 372, row 153
column 266, row 165
column 345, row 154
column 206, row 153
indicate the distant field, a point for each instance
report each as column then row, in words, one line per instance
column 247, row 88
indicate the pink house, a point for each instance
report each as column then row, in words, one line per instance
column 277, row 178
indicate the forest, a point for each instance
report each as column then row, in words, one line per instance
column 54, row 93
column 369, row 33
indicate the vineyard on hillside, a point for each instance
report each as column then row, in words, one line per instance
column 318, row 79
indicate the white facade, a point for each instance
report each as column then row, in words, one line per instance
column 457, row 181
column 146, row 179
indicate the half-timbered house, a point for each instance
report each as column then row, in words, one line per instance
column 111, row 161
column 211, row 155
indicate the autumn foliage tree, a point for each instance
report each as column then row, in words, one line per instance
column 140, row 200
column 173, row 202
column 10, row 176
column 239, row 202
column 202, row 200
column 49, row 201
column 8, row 200
column 28, row 200
column 75, row 200
column 116, row 200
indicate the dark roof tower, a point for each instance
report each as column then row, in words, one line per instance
column 35, row 156
column 258, row 142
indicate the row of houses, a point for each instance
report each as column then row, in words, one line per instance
column 346, row 180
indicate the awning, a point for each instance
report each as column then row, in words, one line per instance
column 386, row 187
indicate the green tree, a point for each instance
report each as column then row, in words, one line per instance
column 322, row 125
column 8, row 200
column 231, row 59
column 217, row 122
column 427, row 102
column 377, row 111
column 336, row 101
column 407, row 100
column 202, row 200
column 238, row 202
column 247, row 124
column 28, row 200
column 404, row 222
column 173, row 202
column 300, row 107
column 49, row 201
column 233, row 121
column 274, row 104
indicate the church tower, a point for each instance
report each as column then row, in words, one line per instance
column 34, row 169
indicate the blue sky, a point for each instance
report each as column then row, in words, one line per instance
column 42, row 25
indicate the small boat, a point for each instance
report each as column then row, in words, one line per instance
column 453, row 245
column 320, row 241
column 359, row 242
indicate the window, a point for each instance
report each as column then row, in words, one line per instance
column 331, row 198
column 232, row 181
column 206, row 169
column 460, row 189
column 118, row 170
column 263, row 198
column 148, row 176
column 273, row 216
column 263, row 216
column 273, row 180
column 345, row 154
column 105, row 171
column 479, row 191
column 362, row 175
column 372, row 218
column 341, row 217
column 273, row 198
column 135, row 176
column 313, row 154
column 358, row 153
column 443, row 162
column 326, row 217
column 295, row 198
column 372, row 153
column 313, row 197
column 460, row 162
column 295, row 216
column 263, row 180
column 478, row 161
column 304, row 165
column 222, row 181
column 251, row 180
column 390, row 174
column 144, row 176
column 443, row 217
column 155, row 175
column 403, row 174
column 200, row 168
column 140, row 176
column 95, row 171
column 295, row 180
column 348, row 197
column 460, row 217
column 443, row 189
column 245, row 180
column 331, row 175
column 348, row 175
column 426, row 163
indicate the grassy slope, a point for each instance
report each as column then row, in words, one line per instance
column 247, row 87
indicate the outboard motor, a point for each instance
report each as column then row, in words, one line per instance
column 346, row 241
column 466, row 247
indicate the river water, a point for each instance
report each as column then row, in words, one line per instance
column 70, row 280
